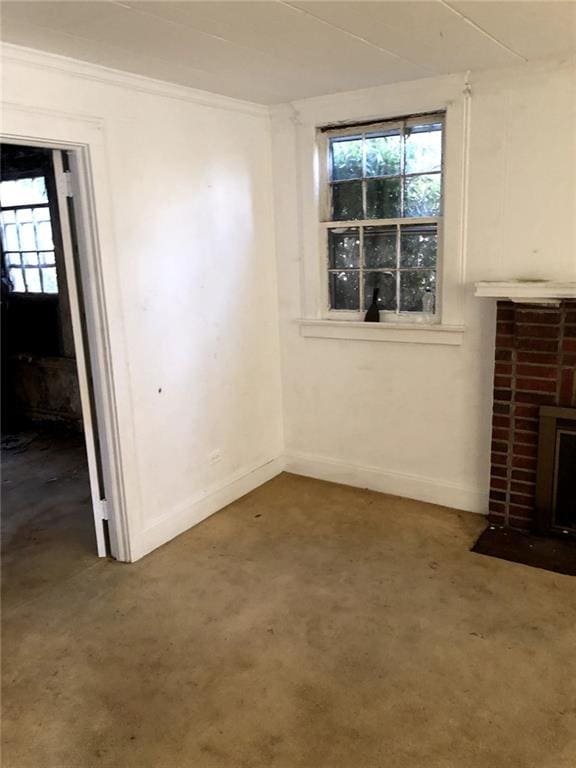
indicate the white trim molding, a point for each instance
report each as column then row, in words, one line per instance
column 401, row 484
column 85, row 139
column 175, row 522
column 450, row 95
column 413, row 333
column 76, row 68
column 527, row 291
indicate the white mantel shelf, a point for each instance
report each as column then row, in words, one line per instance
column 527, row 291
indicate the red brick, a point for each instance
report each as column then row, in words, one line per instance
column 498, row 471
column 500, row 421
column 500, row 433
column 499, row 459
column 539, row 371
column 538, row 345
column 526, row 425
column 501, row 408
column 503, row 382
column 570, row 331
column 503, row 394
column 526, row 411
column 538, row 316
column 527, row 438
column 570, row 316
column 540, row 358
column 497, row 496
column 499, row 483
column 569, row 345
column 541, row 398
column 504, row 329
column 497, row 508
column 536, row 385
column 499, row 446
column 524, row 511
column 503, row 369
column 524, row 474
column 504, row 341
column 506, row 311
column 568, row 388
column 568, row 359
column 519, row 449
column 538, row 331
column 503, row 354
column 524, row 462
column 522, row 500
column 526, row 488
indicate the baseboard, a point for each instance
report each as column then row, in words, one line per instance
column 172, row 524
column 395, row 483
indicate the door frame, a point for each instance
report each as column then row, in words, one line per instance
column 96, row 316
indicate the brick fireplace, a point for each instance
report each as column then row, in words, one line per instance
column 535, row 365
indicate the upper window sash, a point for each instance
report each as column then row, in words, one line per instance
column 372, row 130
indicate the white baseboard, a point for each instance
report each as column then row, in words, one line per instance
column 394, row 483
column 172, row 524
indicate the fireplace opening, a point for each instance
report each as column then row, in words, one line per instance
column 556, row 472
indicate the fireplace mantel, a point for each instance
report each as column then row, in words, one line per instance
column 527, row 291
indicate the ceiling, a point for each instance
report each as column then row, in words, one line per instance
column 275, row 51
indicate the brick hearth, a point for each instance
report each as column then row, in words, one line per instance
column 535, row 364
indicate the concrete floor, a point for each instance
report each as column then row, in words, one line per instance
column 308, row 625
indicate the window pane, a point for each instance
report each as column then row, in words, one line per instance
column 17, row 280
column 23, row 192
column 422, row 195
column 383, row 198
column 418, row 246
column 24, row 215
column 347, row 201
column 385, row 282
column 383, row 155
column 30, row 257
column 413, row 284
column 47, row 257
column 8, row 217
column 379, row 247
column 344, row 248
column 344, row 290
column 44, row 235
column 33, row 280
column 423, row 148
column 41, row 214
column 12, row 258
column 27, row 236
column 49, row 280
column 11, row 237
column 346, row 158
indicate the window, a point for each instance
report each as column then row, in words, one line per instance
column 383, row 206
column 27, row 235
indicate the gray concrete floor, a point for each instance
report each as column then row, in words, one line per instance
column 308, row 625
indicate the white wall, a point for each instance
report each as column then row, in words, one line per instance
column 189, row 274
column 414, row 419
column 190, row 219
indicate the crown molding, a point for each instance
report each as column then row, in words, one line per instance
column 37, row 59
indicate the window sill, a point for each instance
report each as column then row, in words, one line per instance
column 408, row 333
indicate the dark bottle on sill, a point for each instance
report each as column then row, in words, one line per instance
column 373, row 313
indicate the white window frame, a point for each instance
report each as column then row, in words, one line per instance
column 300, row 160
column 22, row 268
column 326, row 223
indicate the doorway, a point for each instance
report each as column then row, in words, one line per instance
column 53, row 479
